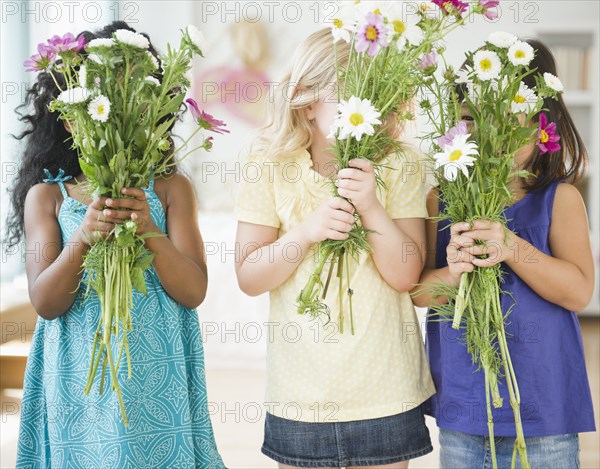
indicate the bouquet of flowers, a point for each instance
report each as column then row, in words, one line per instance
column 474, row 165
column 120, row 115
column 392, row 45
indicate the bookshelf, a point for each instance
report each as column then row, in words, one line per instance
column 576, row 54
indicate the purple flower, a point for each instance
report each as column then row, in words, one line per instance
column 66, row 43
column 487, row 6
column 205, row 120
column 458, row 129
column 428, row 60
column 452, row 7
column 40, row 61
column 547, row 136
column 372, row 35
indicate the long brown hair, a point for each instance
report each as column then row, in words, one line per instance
column 571, row 161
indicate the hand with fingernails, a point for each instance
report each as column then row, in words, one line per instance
column 104, row 213
column 463, row 252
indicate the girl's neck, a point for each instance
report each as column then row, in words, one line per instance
column 322, row 156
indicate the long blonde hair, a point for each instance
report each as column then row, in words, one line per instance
column 312, row 75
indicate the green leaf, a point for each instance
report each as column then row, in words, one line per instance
column 172, row 105
column 138, row 281
column 145, row 261
column 87, row 169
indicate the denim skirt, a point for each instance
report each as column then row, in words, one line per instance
column 371, row 442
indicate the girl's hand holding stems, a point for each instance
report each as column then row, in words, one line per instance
column 179, row 258
column 104, row 213
column 565, row 278
column 333, row 220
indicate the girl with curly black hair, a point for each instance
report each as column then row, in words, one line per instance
column 169, row 424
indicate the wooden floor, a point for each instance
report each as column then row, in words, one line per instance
column 237, row 396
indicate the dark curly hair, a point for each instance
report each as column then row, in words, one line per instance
column 47, row 140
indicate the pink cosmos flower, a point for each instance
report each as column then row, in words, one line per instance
column 547, row 136
column 66, row 43
column 487, row 8
column 452, row 7
column 428, row 60
column 458, row 129
column 40, row 61
column 205, row 120
column 372, row 35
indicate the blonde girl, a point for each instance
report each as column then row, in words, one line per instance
column 333, row 399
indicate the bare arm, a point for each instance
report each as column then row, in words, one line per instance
column 422, row 294
column 263, row 261
column 398, row 247
column 53, row 274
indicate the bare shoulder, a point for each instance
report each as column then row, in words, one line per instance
column 174, row 188
column 568, row 201
column 43, row 198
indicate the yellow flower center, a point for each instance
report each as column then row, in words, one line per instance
column 356, row 119
column 455, row 155
column 447, row 6
column 377, row 11
column 399, row 26
column 101, row 109
column 520, row 54
column 371, row 33
column 485, row 64
column 543, row 136
column 519, row 99
column 338, row 23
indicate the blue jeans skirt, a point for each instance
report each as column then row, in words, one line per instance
column 461, row 450
column 371, row 442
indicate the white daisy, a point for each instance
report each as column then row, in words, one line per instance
column 95, row 58
column 524, row 101
column 502, row 39
column 152, row 80
column 197, row 37
column 366, row 7
column 130, row 38
column 456, row 156
column 100, row 42
column 74, row 95
column 355, row 118
column 153, row 59
column 520, row 53
column 462, row 75
column 487, row 65
column 344, row 24
column 402, row 25
column 82, row 75
column 553, row 82
column 99, row 108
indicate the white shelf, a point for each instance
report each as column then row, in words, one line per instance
column 579, row 98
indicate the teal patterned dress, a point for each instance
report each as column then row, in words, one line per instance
column 166, row 401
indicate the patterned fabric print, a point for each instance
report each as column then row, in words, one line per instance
column 165, row 398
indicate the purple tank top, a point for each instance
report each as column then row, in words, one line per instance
column 544, row 340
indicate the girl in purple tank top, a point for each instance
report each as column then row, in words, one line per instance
column 549, row 277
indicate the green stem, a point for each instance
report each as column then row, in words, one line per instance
column 340, row 271
column 350, row 293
